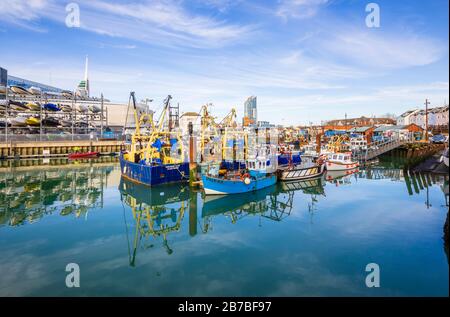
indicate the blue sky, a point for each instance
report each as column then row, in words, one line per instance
column 306, row 60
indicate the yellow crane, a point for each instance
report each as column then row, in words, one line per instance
column 151, row 141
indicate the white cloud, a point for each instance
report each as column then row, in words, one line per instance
column 23, row 13
column 299, row 9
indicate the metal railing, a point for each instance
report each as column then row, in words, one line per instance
column 377, row 148
column 56, row 137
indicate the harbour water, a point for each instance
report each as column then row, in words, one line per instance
column 300, row 239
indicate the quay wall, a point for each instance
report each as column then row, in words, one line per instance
column 57, row 148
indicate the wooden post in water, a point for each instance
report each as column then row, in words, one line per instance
column 193, row 214
column 192, row 162
column 426, row 119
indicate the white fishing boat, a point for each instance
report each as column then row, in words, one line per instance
column 35, row 90
column 19, row 90
column 341, row 162
column 308, row 167
column 2, row 89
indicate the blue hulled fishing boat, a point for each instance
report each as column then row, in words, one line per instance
column 155, row 155
column 260, row 173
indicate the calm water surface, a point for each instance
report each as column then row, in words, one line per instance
column 300, row 239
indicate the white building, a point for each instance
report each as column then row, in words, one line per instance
column 405, row 118
column 437, row 117
column 187, row 117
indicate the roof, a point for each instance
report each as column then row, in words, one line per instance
column 407, row 113
column 190, row 114
column 360, row 129
column 384, row 128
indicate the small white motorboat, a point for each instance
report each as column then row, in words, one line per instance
column 66, row 108
column 19, row 121
column 83, row 108
column 65, row 123
column 35, row 90
column 309, row 167
column 95, row 108
column 19, row 90
column 341, row 162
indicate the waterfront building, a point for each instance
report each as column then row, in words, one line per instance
column 405, row 118
column 361, row 122
column 189, row 117
column 25, row 83
column 250, row 112
column 437, row 117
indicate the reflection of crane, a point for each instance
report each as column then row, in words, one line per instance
column 154, row 221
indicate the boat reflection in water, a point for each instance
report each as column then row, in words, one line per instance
column 29, row 193
column 157, row 211
column 266, row 203
column 341, row 177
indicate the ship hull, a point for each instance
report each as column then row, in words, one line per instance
column 215, row 186
column 340, row 166
column 154, row 175
column 299, row 173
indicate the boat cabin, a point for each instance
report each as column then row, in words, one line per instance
column 341, row 157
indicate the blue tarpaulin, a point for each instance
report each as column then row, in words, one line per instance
column 157, row 144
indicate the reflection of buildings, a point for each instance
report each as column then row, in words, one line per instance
column 157, row 211
column 28, row 194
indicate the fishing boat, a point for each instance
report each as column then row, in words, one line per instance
column 19, row 90
column 35, row 90
column 50, row 122
column 260, row 173
column 83, row 155
column 51, row 107
column 33, row 106
column 2, row 90
column 341, row 162
column 155, row 155
column 308, row 167
column 33, row 121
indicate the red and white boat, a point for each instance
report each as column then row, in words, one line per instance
column 79, row 155
column 341, row 162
